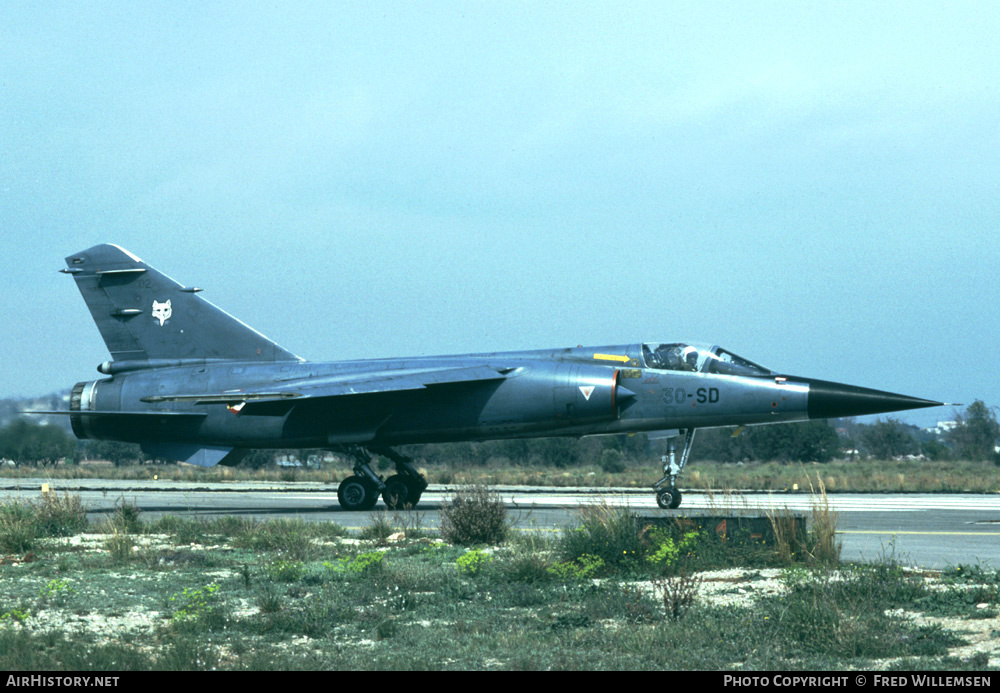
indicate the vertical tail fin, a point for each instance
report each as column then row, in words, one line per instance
column 143, row 314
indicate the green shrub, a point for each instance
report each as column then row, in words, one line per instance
column 126, row 516
column 677, row 592
column 668, row 551
column 606, row 532
column 194, row 604
column 582, row 568
column 60, row 516
column 612, row 461
column 526, row 568
column 363, row 564
column 120, row 544
column 52, row 515
column 284, row 571
column 472, row 562
column 55, row 591
column 476, row 515
column 268, row 599
column 18, row 530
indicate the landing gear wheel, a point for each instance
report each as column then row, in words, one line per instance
column 668, row 498
column 417, row 485
column 371, row 498
column 354, row 493
column 362, row 491
column 399, row 493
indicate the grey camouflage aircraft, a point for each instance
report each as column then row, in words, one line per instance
column 191, row 383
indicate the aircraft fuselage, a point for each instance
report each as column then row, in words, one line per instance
column 569, row 392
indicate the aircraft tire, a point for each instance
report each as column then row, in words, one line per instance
column 354, row 494
column 371, row 498
column 668, row 498
column 398, row 493
column 417, row 487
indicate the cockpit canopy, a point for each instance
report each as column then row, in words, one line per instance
column 703, row 358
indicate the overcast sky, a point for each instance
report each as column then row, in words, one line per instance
column 814, row 186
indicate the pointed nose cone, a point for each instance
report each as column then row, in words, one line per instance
column 623, row 394
column 833, row 400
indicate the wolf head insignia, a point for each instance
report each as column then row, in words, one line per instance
column 162, row 311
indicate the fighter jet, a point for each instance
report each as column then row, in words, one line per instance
column 189, row 382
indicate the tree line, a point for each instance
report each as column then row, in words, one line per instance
column 973, row 437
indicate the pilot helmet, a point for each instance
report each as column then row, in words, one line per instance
column 690, row 355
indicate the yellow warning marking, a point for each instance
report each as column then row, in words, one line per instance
column 611, row 357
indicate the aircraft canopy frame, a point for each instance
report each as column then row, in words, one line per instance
column 699, row 358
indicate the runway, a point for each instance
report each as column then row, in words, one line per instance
column 926, row 530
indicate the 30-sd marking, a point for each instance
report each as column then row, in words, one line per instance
column 703, row 395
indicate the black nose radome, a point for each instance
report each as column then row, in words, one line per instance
column 834, row 400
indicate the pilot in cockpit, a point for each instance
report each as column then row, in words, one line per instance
column 673, row 357
column 690, row 359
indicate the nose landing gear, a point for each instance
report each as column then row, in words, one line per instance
column 668, row 496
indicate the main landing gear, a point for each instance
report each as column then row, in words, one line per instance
column 362, row 491
column 668, row 497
